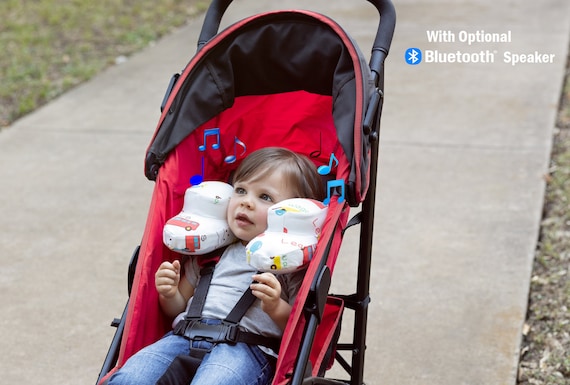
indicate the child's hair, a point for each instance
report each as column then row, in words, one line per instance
column 299, row 172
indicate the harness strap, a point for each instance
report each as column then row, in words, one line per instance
column 200, row 293
column 192, row 327
column 239, row 310
column 228, row 330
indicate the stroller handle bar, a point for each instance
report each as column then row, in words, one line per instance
column 380, row 48
column 384, row 34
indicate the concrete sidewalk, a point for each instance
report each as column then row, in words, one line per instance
column 464, row 150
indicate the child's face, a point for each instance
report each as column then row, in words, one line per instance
column 247, row 210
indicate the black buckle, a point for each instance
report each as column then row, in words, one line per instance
column 195, row 330
column 232, row 333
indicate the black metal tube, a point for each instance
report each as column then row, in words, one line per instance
column 382, row 41
column 365, row 257
column 386, row 26
column 113, row 352
column 212, row 21
column 305, row 351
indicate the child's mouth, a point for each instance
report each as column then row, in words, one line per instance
column 243, row 219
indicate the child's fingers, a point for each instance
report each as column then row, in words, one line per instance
column 168, row 274
column 176, row 266
column 264, row 291
column 266, row 278
column 166, row 267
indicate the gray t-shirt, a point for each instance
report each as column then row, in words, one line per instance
column 232, row 276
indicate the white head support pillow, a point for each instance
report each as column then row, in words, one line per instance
column 293, row 230
column 201, row 226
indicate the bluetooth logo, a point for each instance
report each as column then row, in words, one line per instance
column 413, row 56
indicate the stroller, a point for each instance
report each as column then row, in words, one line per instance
column 291, row 78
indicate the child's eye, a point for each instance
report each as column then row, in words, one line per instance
column 266, row 197
column 239, row 190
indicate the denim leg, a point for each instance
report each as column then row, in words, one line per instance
column 239, row 364
column 150, row 363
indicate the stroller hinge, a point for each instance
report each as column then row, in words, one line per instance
column 169, row 89
column 353, row 302
column 371, row 115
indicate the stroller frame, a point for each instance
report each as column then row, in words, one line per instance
column 314, row 307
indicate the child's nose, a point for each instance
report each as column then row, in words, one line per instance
column 247, row 202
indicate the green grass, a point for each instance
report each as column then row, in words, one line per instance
column 545, row 353
column 49, row 46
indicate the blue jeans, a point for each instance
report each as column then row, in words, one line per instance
column 225, row 364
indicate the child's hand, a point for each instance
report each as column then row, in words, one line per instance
column 267, row 288
column 167, row 278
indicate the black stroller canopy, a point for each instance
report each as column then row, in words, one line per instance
column 271, row 53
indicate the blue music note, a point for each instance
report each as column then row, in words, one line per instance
column 325, row 170
column 198, row 178
column 210, row 132
column 232, row 158
column 332, row 185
